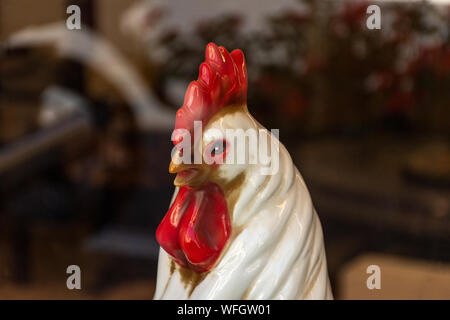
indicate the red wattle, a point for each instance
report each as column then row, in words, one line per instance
column 196, row 227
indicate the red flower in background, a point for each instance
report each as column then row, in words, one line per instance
column 412, row 67
column 400, row 101
column 354, row 12
column 382, row 80
column 314, row 63
column 297, row 17
column 446, row 60
column 436, row 58
column 393, row 69
column 206, row 26
column 268, row 84
column 294, row 104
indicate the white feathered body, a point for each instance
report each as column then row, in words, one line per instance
column 276, row 249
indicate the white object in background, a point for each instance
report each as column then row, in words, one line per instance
column 59, row 104
column 97, row 53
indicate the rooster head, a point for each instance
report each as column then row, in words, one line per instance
column 197, row 226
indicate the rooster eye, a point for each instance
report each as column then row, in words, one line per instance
column 215, row 152
column 218, row 148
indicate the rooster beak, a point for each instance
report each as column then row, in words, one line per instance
column 176, row 168
column 187, row 174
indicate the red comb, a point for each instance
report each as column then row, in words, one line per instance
column 222, row 81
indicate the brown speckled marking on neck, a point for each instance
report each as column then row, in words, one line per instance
column 172, row 270
column 190, row 278
column 172, row 267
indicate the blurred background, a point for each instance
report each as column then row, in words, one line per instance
column 86, row 117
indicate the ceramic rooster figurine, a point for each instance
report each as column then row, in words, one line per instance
column 235, row 230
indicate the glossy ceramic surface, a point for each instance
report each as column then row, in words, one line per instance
column 232, row 232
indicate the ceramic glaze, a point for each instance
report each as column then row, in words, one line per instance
column 232, row 232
